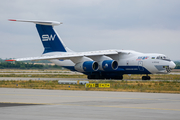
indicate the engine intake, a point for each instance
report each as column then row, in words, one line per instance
column 109, row 65
column 87, row 66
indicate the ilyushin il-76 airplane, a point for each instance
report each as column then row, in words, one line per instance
column 102, row 64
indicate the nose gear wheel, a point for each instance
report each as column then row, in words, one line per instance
column 168, row 69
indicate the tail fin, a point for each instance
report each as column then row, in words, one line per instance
column 50, row 39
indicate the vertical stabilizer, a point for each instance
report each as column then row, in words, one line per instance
column 50, row 39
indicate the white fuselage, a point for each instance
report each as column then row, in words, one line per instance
column 132, row 62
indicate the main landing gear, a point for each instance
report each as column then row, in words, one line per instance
column 146, row 77
column 97, row 76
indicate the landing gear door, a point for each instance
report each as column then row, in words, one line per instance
column 140, row 65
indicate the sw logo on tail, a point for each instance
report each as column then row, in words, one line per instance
column 48, row 38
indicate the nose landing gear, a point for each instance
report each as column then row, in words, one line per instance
column 168, row 69
column 146, row 77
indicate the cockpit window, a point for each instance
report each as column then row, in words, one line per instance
column 163, row 58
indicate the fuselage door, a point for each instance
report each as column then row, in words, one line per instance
column 140, row 65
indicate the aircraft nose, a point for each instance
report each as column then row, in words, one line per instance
column 172, row 65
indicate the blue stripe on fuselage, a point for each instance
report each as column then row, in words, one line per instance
column 121, row 69
column 134, row 70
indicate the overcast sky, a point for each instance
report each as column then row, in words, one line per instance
column 148, row 26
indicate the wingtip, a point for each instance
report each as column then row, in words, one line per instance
column 10, row 60
column 11, row 19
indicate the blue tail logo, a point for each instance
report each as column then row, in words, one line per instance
column 50, row 39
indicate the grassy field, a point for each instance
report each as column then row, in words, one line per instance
column 163, row 86
column 128, row 86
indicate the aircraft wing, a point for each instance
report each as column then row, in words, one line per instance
column 70, row 55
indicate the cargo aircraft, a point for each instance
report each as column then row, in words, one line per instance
column 102, row 64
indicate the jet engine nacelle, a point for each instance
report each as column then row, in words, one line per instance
column 108, row 65
column 87, row 66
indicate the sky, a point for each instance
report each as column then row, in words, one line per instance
column 148, row 26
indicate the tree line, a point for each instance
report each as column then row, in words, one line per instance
column 177, row 64
column 26, row 65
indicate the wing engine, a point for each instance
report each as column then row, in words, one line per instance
column 87, row 66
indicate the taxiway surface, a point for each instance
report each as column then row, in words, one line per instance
column 31, row 104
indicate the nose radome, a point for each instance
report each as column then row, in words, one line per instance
column 172, row 65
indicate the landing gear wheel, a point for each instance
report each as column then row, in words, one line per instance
column 120, row 77
column 143, row 77
column 146, row 77
column 91, row 77
column 96, row 76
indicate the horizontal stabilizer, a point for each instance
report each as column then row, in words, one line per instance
column 52, row 23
